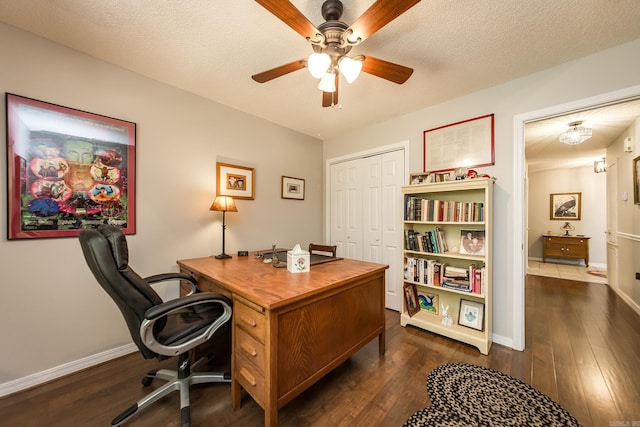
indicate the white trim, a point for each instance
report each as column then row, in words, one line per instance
column 66, row 369
column 519, row 193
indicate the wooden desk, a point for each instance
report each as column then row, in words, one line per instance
column 570, row 247
column 289, row 330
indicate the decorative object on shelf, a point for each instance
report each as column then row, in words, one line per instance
column 460, row 173
column 471, row 314
column 292, row 188
column 429, row 302
column 235, row 181
column 567, row 227
column 67, row 170
column 332, row 40
column 636, row 180
column 576, row 134
column 447, row 320
column 468, row 142
column 600, row 166
column 565, row 206
column 411, row 299
column 472, row 242
column 418, row 178
column 223, row 204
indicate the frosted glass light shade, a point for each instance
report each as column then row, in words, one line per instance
column 328, row 82
column 576, row 134
column 350, row 68
column 318, row 64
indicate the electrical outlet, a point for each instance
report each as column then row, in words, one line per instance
column 637, row 276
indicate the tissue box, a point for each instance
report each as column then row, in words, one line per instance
column 298, row 262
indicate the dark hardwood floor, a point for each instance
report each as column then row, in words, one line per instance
column 582, row 350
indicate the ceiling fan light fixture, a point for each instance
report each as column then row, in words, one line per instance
column 576, row 134
column 350, row 68
column 318, row 64
column 328, row 82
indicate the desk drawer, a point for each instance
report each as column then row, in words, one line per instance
column 250, row 348
column 250, row 379
column 249, row 319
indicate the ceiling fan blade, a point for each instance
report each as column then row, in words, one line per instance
column 329, row 99
column 273, row 73
column 290, row 15
column 377, row 16
column 386, row 70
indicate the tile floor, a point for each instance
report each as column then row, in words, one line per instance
column 565, row 271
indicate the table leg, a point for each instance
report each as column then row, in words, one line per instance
column 236, row 395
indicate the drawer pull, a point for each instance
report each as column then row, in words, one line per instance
column 247, row 376
column 251, row 351
column 250, row 322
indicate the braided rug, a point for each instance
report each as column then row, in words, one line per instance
column 470, row 395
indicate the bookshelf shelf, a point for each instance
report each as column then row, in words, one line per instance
column 448, row 240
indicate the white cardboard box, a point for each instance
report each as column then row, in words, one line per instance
column 298, row 262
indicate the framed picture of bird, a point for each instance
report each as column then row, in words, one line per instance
column 564, row 206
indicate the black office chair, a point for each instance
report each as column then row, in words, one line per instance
column 159, row 329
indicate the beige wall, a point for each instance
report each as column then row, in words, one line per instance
column 52, row 311
column 593, row 214
column 607, row 71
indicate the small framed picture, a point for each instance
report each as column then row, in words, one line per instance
column 418, row 178
column 564, row 206
column 411, row 299
column 636, row 181
column 292, row 188
column 235, row 181
column 472, row 242
column 471, row 314
column 428, row 302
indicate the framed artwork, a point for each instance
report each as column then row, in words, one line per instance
column 67, row 170
column 636, row 180
column 418, row 178
column 235, row 181
column 292, row 188
column 428, row 302
column 471, row 314
column 472, row 242
column 411, row 299
column 564, row 206
column 468, row 143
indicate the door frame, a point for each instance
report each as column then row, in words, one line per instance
column 519, row 191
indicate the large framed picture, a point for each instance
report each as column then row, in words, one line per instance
column 235, row 181
column 67, row 170
column 471, row 314
column 636, row 180
column 468, row 143
column 292, row 188
column 411, row 299
column 564, row 206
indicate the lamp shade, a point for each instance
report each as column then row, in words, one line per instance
column 350, row 68
column 576, row 134
column 224, row 204
column 567, row 227
column 600, row 165
column 328, row 82
column 318, row 64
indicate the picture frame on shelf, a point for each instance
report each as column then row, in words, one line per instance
column 472, row 242
column 418, row 178
column 235, row 181
column 429, row 302
column 68, row 170
column 292, row 188
column 565, row 206
column 411, row 299
column 636, row 180
column 471, row 314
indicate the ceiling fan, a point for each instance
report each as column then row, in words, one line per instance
column 333, row 39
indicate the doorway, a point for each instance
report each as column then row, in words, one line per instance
column 520, row 194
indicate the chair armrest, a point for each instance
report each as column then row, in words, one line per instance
column 163, row 277
column 167, row 308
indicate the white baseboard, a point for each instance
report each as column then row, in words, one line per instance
column 66, row 369
column 502, row 340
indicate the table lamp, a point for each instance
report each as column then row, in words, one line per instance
column 224, row 204
column 566, row 228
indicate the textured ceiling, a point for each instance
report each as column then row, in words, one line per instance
column 212, row 47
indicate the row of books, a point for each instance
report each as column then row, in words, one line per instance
column 419, row 209
column 429, row 241
column 435, row 273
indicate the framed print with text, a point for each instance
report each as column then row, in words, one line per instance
column 292, row 188
column 235, row 181
column 67, row 170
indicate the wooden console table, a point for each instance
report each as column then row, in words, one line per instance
column 569, row 247
column 289, row 330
